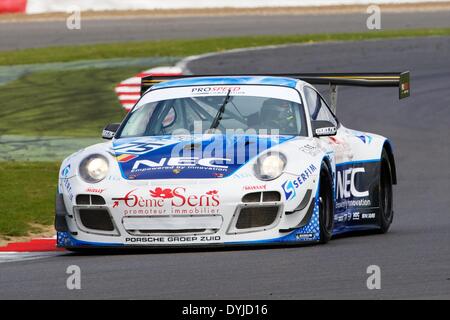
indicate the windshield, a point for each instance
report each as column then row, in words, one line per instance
column 245, row 114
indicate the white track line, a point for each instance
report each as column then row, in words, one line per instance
column 25, row 256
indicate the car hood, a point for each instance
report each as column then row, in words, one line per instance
column 189, row 157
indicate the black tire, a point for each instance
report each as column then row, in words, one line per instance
column 75, row 250
column 385, row 194
column 326, row 204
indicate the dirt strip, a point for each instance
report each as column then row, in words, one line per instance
column 322, row 10
column 38, row 231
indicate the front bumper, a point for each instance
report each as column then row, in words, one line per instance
column 136, row 220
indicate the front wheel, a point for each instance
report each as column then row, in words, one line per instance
column 326, row 207
column 385, row 194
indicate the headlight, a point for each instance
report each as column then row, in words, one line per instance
column 94, row 168
column 270, row 166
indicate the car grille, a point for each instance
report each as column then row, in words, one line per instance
column 267, row 196
column 90, row 199
column 96, row 219
column 256, row 217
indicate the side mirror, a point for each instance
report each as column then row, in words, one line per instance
column 323, row 128
column 110, row 130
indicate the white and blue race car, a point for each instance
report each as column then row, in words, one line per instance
column 229, row 160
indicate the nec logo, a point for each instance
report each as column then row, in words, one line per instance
column 181, row 162
column 346, row 183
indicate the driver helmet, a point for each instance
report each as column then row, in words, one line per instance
column 278, row 111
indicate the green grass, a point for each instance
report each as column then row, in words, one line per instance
column 65, row 103
column 27, row 195
column 180, row 48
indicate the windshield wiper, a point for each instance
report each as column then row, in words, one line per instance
column 219, row 114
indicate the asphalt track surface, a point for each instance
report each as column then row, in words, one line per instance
column 414, row 256
column 55, row 33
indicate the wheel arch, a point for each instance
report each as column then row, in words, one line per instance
column 331, row 169
column 389, row 150
column 325, row 226
column 327, row 162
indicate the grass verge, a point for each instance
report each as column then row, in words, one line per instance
column 27, row 196
column 76, row 103
column 180, row 48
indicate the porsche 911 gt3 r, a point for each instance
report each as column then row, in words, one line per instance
column 229, row 160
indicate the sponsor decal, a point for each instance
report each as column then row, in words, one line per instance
column 304, row 236
column 405, row 88
column 290, row 186
column 309, row 149
column 172, row 239
column 177, row 163
column 347, row 189
column 68, row 187
column 108, row 134
column 364, row 138
column 356, row 201
column 348, row 216
column 242, row 175
column 138, row 148
column 168, row 201
column 65, row 172
column 326, row 131
column 344, row 217
column 354, row 216
column 162, row 193
column 125, row 157
column 95, row 190
column 255, row 188
column 217, row 156
column 132, row 176
column 215, row 90
column 366, row 216
column 113, row 178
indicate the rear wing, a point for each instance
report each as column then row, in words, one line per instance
column 401, row 80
